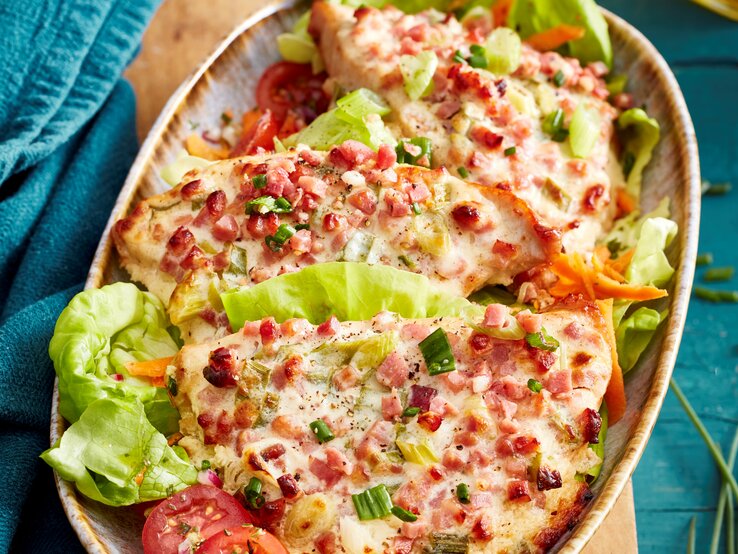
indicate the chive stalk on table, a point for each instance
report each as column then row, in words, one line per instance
column 712, row 295
column 720, row 511
column 719, row 274
column 692, row 539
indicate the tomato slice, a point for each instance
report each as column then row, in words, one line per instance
column 203, row 507
column 288, row 86
column 261, row 135
column 243, row 539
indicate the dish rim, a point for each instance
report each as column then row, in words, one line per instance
column 684, row 275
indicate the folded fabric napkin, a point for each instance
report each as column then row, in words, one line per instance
column 68, row 139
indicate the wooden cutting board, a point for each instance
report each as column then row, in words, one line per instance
column 179, row 37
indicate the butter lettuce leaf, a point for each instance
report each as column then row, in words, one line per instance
column 351, row 291
column 529, row 17
column 96, row 335
column 649, row 265
column 639, row 135
column 115, row 456
column 634, row 333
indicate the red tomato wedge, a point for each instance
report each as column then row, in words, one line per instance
column 286, row 86
column 203, row 507
column 244, row 539
column 260, row 135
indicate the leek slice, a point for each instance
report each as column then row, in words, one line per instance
column 417, row 72
column 175, row 171
column 421, row 454
column 503, row 50
column 584, row 130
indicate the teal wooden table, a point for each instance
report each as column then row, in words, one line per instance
column 676, row 477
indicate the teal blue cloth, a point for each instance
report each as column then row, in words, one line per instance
column 68, row 138
column 676, row 478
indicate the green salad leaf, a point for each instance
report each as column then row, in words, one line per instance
column 115, row 456
column 649, row 265
column 351, row 291
column 357, row 116
column 626, row 231
column 634, row 333
column 639, row 135
column 96, row 335
column 529, row 17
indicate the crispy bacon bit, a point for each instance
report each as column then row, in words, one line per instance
column 391, row 407
column 430, row 421
column 591, row 196
column 479, row 342
column 548, row 479
column 269, row 330
column 469, row 80
column 543, row 359
column 364, row 199
column 221, row 372
column 467, row 216
column 482, row 530
column 590, row 423
column 329, row 327
column 288, row 486
column 525, row 445
column 180, row 241
column 435, row 473
column 332, row 222
column 277, row 181
column 581, row 359
column 501, row 86
column 273, row 452
column 191, row 189
column 518, row 491
column 485, row 137
column 420, row 397
column 504, row 249
column 259, row 226
column 269, row 515
column 195, row 258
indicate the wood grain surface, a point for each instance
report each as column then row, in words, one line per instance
column 179, row 37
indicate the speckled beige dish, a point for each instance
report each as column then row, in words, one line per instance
column 227, row 79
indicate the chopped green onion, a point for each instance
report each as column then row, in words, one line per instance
column 554, row 122
column 172, row 386
column 715, row 189
column 535, row 386
column 716, row 295
column 276, row 241
column 403, row 514
column 462, row 493
column 373, row 503
column 459, row 57
column 417, row 73
column 411, row 411
column 463, row 172
column 322, row 431
column 542, row 340
column 692, row 538
column 205, row 464
column 407, row 261
column 417, row 453
column 717, row 526
column 266, row 204
column 252, row 493
column 404, row 157
column 704, row 259
column 437, row 353
column 559, row 78
column 416, row 208
column 503, row 49
column 584, row 131
column 510, row 151
column 719, row 274
column 711, row 446
column 259, row 181
column 302, row 226
column 478, row 58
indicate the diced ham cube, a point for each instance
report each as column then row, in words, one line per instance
column 324, row 472
column 313, row 185
column 558, row 382
column 495, row 316
column 226, row 229
column 418, row 192
column 393, row 371
column 363, row 199
column 397, row 203
column 391, row 406
column 414, row 529
column 351, row 154
column 302, row 241
column 529, row 321
column 338, row 461
column 277, row 181
column 379, row 436
column 345, row 378
column 386, row 157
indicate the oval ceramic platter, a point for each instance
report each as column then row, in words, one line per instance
column 227, row 80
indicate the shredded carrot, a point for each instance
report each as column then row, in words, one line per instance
column 597, row 281
column 197, row 146
column 140, row 477
column 553, row 38
column 500, row 12
column 621, row 264
column 615, row 393
column 625, row 202
column 149, row 368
